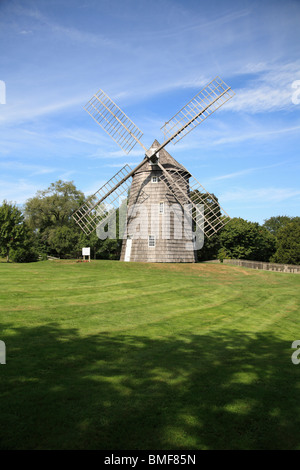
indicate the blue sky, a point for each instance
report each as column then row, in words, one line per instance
column 151, row 57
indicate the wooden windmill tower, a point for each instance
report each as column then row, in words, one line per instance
column 162, row 195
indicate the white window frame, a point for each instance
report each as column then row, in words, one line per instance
column 162, row 207
column 151, row 241
column 154, row 179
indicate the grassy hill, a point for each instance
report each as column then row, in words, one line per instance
column 110, row 355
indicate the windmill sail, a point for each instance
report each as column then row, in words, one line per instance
column 213, row 218
column 206, row 102
column 103, row 201
column 114, row 121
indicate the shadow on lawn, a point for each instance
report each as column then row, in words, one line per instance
column 115, row 391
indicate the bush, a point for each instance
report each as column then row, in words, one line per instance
column 247, row 240
column 210, row 248
column 288, row 244
column 24, row 255
column 222, row 254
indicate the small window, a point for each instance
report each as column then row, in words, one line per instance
column 161, row 208
column 151, row 241
column 154, row 179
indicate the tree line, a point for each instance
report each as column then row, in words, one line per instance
column 45, row 227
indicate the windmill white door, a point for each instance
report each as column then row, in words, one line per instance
column 128, row 249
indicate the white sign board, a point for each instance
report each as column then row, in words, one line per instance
column 86, row 251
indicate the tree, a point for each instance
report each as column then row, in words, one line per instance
column 12, row 228
column 49, row 214
column 109, row 249
column 54, row 206
column 212, row 213
column 210, row 248
column 247, row 240
column 274, row 224
column 62, row 239
column 24, row 254
column 222, row 254
column 288, row 243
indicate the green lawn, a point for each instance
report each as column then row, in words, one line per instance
column 112, row 355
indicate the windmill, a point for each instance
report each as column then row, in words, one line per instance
column 159, row 190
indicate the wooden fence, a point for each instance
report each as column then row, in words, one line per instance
column 282, row 268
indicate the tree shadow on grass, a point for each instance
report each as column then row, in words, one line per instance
column 60, row 390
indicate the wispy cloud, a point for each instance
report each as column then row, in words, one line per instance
column 72, row 33
column 32, row 170
column 235, row 174
column 261, row 135
column 260, row 195
column 92, row 188
column 20, row 112
column 269, row 90
column 18, row 190
column 196, row 26
column 120, row 165
column 246, row 171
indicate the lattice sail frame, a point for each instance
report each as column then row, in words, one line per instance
column 103, row 202
column 206, row 102
column 214, row 217
column 114, row 121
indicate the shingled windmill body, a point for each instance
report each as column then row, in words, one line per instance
column 155, row 224
column 161, row 193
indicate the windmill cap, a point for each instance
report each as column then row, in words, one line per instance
column 165, row 159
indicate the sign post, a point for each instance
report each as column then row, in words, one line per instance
column 86, row 252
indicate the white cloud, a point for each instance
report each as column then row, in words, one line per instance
column 269, row 195
column 261, row 135
column 25, row 32
column 19, row 112
column 33, row 170
column 120, row 165
column 270, row 90
column 246, row 171
column 72, row 33
column 233, row 175
column 17, row 191
column 92, row 188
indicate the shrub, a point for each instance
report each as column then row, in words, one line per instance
column 24, row 255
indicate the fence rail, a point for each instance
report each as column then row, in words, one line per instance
column 282, row 268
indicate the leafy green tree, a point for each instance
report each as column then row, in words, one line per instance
column 24, row 254
column 274, row 224
column 109, row 249
column 288, row 243
column 247, row 240
column 222, row 254
column 212, row 212
column 91, row 241
column 49, row 214
column 210, row 248
column 12, row 228
column 62, row 239
column 54, row 206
